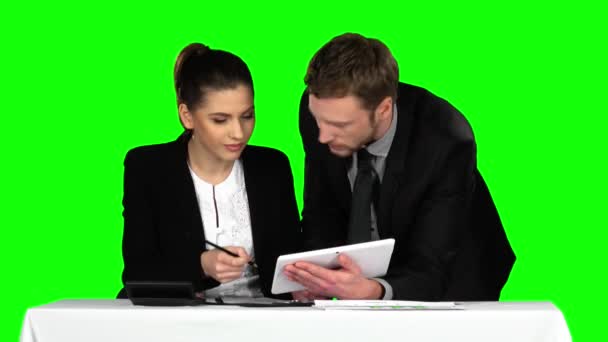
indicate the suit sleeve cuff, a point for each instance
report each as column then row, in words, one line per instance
column 388, row 289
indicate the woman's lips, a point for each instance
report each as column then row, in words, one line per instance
column 234, row 147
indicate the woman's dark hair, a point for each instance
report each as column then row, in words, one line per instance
column 199, row 69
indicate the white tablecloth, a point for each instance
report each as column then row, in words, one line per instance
column 119, row 320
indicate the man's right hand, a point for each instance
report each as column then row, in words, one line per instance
column 222, row 266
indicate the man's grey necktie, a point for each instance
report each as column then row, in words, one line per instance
column 364, row 192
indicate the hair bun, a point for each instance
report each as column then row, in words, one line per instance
column 193, row 49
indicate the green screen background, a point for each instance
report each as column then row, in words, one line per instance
column 83, row 83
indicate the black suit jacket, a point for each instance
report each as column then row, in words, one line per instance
column 163, row 232
column 450, row 243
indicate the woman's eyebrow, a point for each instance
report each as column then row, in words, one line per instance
column 227, row 114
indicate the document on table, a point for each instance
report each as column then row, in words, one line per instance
column 384, row 305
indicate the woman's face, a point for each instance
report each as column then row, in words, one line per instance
column 223, row 125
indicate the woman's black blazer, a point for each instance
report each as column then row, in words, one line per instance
column 163, row 232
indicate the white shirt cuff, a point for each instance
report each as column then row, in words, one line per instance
column 388, row 289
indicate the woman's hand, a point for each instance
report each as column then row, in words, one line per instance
column 222, row 266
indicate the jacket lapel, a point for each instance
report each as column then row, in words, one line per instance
column 339, row 174
column 395, row 162
column 256, row 199
column 180, row 181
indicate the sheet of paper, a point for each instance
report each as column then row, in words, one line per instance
column 384, row 305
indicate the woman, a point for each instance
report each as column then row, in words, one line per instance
column 209, row 185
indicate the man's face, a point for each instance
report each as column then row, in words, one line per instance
column 344, row 125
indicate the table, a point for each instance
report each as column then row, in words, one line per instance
column 119, row 320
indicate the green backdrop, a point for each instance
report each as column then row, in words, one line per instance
column 83, row 83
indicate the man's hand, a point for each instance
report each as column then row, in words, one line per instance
column 344, row 283
column 223, row 267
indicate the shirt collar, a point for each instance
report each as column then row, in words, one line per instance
column 381, row 147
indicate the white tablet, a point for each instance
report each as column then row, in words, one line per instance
column 372, row 257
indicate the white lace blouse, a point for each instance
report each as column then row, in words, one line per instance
column 225, row 212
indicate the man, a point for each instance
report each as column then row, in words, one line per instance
column 390, row 160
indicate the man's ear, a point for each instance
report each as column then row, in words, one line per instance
column 385, row 108
column 185, row 116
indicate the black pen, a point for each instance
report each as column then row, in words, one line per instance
column 251, row 263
